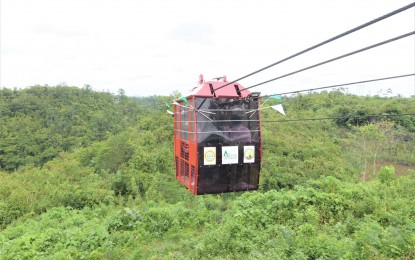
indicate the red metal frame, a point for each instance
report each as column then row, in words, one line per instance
column 184, row 164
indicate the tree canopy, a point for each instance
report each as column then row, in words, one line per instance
column 87, row 174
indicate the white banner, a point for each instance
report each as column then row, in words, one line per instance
column 209, row 155
column 249, row 154
column 229, row 154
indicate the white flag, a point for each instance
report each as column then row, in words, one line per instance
column 171, row 113
column 279, row 108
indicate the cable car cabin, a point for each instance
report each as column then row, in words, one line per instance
column 217, row 138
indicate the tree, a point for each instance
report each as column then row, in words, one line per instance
column 373, row 141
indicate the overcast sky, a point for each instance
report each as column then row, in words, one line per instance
column 155, row 47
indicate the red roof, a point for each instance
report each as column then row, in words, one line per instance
column 234, row 90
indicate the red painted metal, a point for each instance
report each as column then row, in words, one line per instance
column 208, row 89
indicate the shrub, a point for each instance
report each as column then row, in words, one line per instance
column 386, row 174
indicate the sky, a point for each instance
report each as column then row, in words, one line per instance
column 157, row 47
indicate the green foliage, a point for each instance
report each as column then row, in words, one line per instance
column 317, row 220
column 91, row 176
column 126, row 219
column 157, row 221
column 57, row 119
column 386, row 174
column 374, row 141
column 59, row 233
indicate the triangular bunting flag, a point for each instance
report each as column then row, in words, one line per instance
column 185, row 100
column 171, row 113
column 276, row 97
column 167, row 105
column 279, row 108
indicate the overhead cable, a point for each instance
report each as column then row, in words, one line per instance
column 336, row 117
column 334, row 59
column 341, row 85
column 300, row 119
column 326, row 41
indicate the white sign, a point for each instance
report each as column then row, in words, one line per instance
column 249, row 154
column 229, row 154
column 209, row 155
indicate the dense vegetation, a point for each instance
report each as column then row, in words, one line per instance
column 90, row 175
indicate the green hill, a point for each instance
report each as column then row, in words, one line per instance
column 90, row 175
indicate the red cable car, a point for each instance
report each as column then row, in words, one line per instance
column 217, row 138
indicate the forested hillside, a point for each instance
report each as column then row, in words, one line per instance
column 87, row 174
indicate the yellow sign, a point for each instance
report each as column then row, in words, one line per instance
column 249, row 154
column 209, row 155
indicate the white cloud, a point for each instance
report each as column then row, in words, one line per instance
column 156, row 47
column 193, row 33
